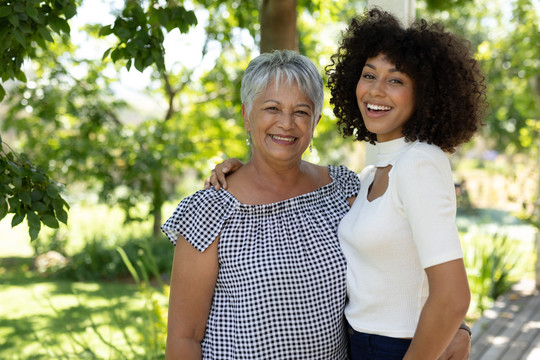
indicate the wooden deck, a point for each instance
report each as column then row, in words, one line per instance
column 511, row 329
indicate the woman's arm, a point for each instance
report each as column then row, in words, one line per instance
column 193, row 279
column 443, row 312
column 459, row 348
column 217, row 177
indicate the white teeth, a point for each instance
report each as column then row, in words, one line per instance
column 282, row 138
column 378, row 107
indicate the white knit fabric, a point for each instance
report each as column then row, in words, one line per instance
column 389, row 241
column 281, row 286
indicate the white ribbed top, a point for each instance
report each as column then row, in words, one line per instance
column 389, row 241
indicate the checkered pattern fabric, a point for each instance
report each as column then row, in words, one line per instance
column 281, row 285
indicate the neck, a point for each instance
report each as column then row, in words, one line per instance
column 276, row 177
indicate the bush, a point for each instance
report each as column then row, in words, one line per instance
column 492, row 262
column 99, row 259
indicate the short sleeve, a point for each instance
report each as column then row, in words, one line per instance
column 199, row 218
column 347, row 180
column 427, row 199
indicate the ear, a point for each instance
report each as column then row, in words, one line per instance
column 245, row 116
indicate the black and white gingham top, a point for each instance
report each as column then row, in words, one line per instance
column 281, row 288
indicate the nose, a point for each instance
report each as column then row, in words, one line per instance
column 286, row 120
column 377, row 88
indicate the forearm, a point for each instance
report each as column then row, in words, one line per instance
column 437, row 326
column 443, row 312
column 185, row 349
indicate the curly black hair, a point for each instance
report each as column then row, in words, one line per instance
column 450, row 95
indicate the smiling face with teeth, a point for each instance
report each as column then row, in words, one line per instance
column 281, row 123
column 385, row 97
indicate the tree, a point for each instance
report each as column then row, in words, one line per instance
column 278, row 25
column 507, row 43
column 514, row 123
column 25, row 27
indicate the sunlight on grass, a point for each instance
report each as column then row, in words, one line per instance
column 51, row 318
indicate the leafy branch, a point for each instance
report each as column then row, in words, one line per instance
column 27, row 192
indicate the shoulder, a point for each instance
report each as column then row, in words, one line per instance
column 204, row 211
column 420, row 155
column 340, row 171
column 206, row 199
column 425, row 151
column 346, row 179
column 423, row 169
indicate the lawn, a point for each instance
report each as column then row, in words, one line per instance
column 54, row 318
column 57, row 319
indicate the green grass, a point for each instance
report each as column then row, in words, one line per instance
column 52, row 318
column 55, row 319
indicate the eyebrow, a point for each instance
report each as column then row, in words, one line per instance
column 375, row 68
column 279, row 103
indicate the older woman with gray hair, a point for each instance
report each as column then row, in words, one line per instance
column 258, row 272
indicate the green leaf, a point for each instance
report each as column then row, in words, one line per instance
column 106, row 53
column 36, row 195
column 52, row 191
column 33, row 232
column 38, row 177
column 38, row 206
column 33, row 219
column 116, row 54
column 14, row 204
column 25, row 198
column 17, row 34
column 5, row 11
column 45, row 33
column 2, row 93
column 58, row 24
column 58, row 204
column 18, row 7
column 31, row 10
column 62, row 216
column 14, row 20
column 17, row 219
column 20, row 75
column 3, row 32
column 17, row 182
column 14, row 167
column 50, row 221
column 70, row 11
column 105, row 30
column 3, row 207
column 139, row 64
column 191, row 18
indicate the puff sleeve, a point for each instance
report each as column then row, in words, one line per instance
column 199, row 218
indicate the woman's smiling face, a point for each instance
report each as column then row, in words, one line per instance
column 385, row 97
column 281, row 122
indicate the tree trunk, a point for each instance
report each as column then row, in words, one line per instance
column 536, row 211
column 157, row 202
column 278, row 25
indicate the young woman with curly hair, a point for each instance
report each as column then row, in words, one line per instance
column 415, row 93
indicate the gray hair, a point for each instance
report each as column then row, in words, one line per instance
column 282, row 65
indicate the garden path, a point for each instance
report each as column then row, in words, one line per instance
column 510, row 330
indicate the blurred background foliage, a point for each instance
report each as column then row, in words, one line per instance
column 121, row 108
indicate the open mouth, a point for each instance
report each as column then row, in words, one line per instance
column 377, row 108
column 289, row 139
